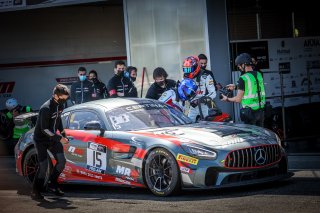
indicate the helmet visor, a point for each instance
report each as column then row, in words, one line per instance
column 187, row 70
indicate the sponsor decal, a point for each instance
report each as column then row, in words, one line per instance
column 75, row 152
column 185, row 169
column 135, row 141
column 88, row 174
column 96, row 157
column 123, row 171
column 122, row 181
column 187, row 159
column 210, row 82
column 67, row 169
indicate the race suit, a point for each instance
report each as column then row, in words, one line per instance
column 206, row 87
column 170, row 97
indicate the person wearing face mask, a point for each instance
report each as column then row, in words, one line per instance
column 120, row 85
column 160, row 85
column 82, row 90
column 131, row 74
column 203, row 61
column 49, row 134
column 250, row 92
column 99, row 88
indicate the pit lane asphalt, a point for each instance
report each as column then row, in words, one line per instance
column 301, row 193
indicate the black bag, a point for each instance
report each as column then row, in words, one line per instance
column 246, row 114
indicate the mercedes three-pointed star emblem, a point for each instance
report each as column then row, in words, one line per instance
column 260, row 156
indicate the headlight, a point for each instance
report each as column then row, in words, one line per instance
column 274, row 135
column 199, row 151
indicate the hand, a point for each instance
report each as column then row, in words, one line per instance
column 64, row 140
column 224, row 98
column 231, row 86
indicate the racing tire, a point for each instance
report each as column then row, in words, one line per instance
column 161, row 173
column 31, row 165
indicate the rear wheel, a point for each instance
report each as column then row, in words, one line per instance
column 161, row 172
column 31, row 165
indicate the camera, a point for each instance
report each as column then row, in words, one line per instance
column 225, row 92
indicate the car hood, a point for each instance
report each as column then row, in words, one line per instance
column 214, row 134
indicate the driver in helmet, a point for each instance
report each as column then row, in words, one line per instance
column 185, row 91
column 206, row 86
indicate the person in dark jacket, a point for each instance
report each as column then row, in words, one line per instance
column 119, row 85
column 82, row 90
column 46, row 137
column 99, row 88
column 160, row 85
column 131, row 73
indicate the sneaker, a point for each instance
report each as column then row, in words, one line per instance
column 35, row 195
column 55, row 190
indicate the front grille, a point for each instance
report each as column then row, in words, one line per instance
column 253, row 157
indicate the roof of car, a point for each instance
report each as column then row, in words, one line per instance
column 112, row 103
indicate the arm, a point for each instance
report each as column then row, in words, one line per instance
column 151, row 93
column 73, row 93
column 210, row 87
column 44, row 117
column 112, row 89
column 236, row 99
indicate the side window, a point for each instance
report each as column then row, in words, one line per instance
column 79, row 119
column 64, row 119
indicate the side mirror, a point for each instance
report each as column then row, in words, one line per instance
column 92, row 125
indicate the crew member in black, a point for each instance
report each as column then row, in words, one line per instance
column 160, row 85
column 46, row 138
column 99, row 88
column 82, row 90
column 119, row 85
column 131, row 73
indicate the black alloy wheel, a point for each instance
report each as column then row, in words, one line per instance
column 161, row 172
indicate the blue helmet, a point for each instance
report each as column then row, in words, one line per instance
column 187, row 89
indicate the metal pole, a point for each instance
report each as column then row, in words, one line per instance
column 142, row 81
column 283, row 109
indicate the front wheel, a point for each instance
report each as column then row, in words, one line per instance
column 161, row 172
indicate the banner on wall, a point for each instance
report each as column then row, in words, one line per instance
column 11, row 5
column 295, row 60
column 257, row 49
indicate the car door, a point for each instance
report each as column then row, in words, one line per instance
column 85, row 155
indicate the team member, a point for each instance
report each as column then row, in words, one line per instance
column 203, row 61
column 132, row 75
column 119, row 85
column 251, row 92
column 160, row 85
column 191, row 69
column 47, row 138
column 16, row 130
column 99, row 88
column 82, row 90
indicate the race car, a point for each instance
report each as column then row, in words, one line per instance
column 146, row 143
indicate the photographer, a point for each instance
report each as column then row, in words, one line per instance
column 250, row 94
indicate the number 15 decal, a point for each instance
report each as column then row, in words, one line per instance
column 96, row 157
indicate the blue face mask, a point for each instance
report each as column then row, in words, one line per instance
column 82, row 77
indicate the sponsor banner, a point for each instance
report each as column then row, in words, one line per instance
column 187, row 159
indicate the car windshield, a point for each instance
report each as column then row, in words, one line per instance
column 145, row 116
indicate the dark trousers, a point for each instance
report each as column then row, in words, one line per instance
column 258, row 118
column 56, row 149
